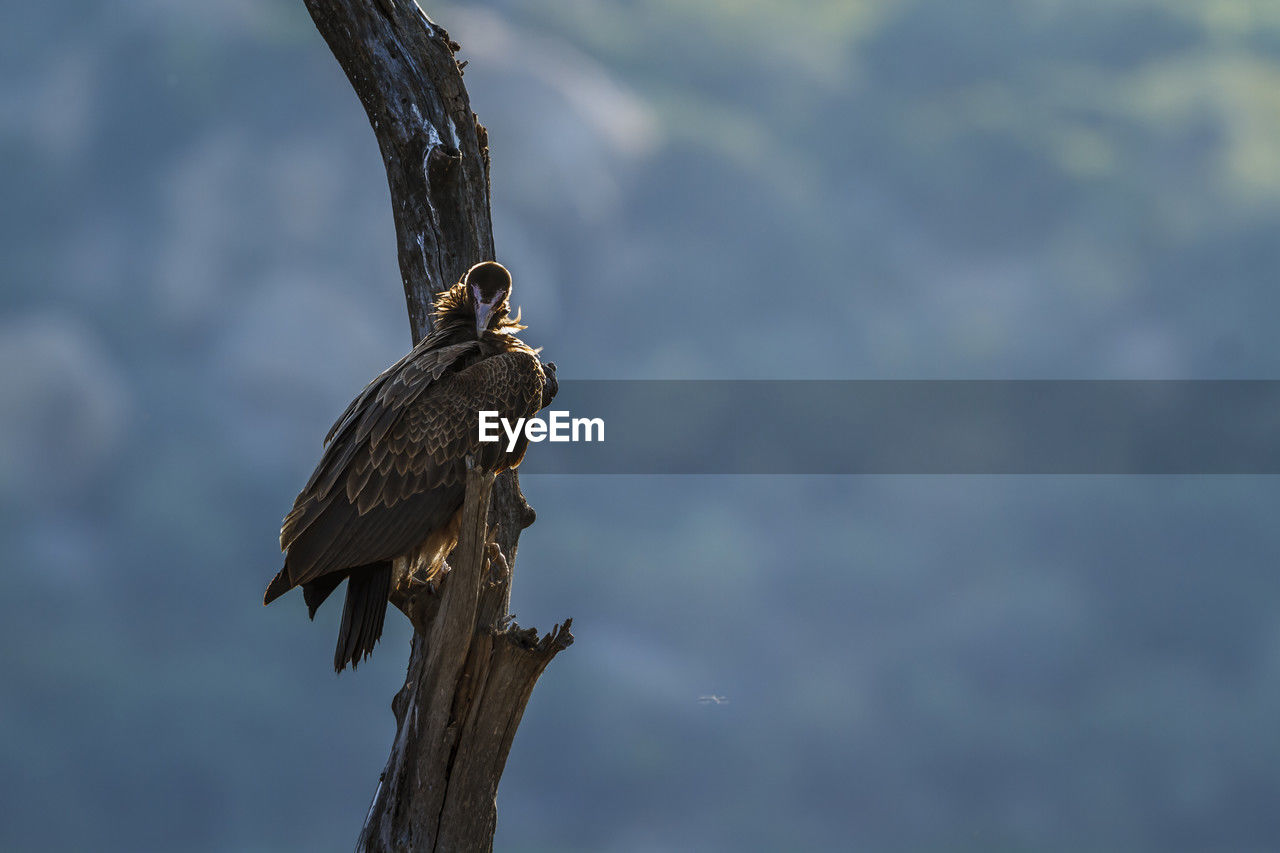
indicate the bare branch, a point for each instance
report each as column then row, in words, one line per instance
column 471, row 670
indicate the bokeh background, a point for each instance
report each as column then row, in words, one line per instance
column 199, row 272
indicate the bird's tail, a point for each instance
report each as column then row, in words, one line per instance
column 366, row 606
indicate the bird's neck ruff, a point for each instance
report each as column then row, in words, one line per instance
column 453, row 310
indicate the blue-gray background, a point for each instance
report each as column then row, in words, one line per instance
column 198, row 273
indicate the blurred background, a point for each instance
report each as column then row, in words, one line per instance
column 199, row 273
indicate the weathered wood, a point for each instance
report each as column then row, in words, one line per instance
column 402, row 67
column 471, row 670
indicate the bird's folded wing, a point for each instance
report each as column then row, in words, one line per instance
column 411, row 435
column 428, row 443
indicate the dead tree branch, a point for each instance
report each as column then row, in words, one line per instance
column 471, row 670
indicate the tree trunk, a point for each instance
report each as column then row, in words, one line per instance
column 471, row 669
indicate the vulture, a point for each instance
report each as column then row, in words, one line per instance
column 392, row 478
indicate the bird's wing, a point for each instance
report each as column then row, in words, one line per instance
column 426, row 444
column 397, row 455
column 392, row 391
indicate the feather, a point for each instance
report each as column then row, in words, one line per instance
column 391, row 478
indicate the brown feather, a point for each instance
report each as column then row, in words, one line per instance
column 399, row 453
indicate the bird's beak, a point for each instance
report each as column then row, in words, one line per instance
column 482, row 317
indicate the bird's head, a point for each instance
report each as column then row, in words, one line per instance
column 488, row 287
column 478, row 303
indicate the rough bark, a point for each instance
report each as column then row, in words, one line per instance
column 471, row 669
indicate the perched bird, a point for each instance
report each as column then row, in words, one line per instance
column 392, row 479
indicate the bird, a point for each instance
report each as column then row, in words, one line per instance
column 392, row 478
